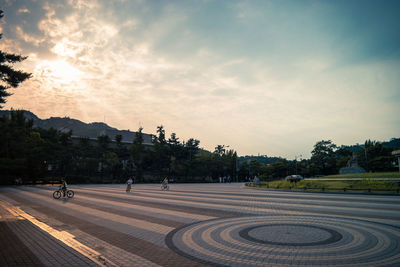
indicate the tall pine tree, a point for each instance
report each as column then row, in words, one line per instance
column 8, row 76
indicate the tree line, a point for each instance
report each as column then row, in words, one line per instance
column 33, row 154
column 326, row 158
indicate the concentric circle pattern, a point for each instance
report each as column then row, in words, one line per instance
column 288, row 240
column 290, row 235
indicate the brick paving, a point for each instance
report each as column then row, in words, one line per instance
column 196, row 225
column 25, row 245
column 12, row 251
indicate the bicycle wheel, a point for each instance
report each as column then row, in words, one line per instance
column 57, row 194
column 70, row 193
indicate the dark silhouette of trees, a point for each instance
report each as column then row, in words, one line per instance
column 138, row 154
column 375, row 157
column 36, row 154
column 176, row 152
column 160, row 153
column 21, row 148
column 104, row 141
column 118, row 140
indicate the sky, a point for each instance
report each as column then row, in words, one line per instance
column 262, row 77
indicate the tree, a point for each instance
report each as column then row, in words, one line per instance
column 118, row 139
column 191, row 148
column 173, row 140
column 176, row 152
column 276, row 169
column 86, row 164
column 219, row 150
column 103, row 141
column 66, row 155
column 343, row 155
column 323, row 160
column 160, row 157
column 161, row 135
column 138, row 153
column 21, row 148
column 8, row 76
column 231, row 162
column 112, row 160
column 223, row 162
column 254, row 167
column 375, row 157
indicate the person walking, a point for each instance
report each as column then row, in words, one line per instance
column 129, row 185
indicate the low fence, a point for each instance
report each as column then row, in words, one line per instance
column 329, row 189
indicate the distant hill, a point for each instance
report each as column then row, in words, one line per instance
column 81, row 129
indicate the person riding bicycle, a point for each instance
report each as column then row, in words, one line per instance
column 63, row 190
column 165, row 182
column 129, row 185
column 64, row 186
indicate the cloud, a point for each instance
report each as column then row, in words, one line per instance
column 28, row 38
column 23, row 10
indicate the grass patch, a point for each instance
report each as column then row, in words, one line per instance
column 365, row 185
column 365, row 175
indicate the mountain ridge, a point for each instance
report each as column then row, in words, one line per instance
column 79, row 128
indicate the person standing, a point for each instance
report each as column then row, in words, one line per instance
column 129, row 185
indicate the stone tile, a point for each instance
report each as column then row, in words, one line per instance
column 206, row 224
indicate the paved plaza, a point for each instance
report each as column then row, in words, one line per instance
column 196, row 225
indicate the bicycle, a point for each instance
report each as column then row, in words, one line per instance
column 164, row 186
column 68, row 193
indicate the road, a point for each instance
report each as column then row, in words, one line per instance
column 196, row 225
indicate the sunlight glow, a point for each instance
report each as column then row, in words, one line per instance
column 60, row 72
column 63, row 48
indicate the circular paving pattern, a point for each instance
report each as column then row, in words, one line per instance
column 288, row 240
column 290, row 235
